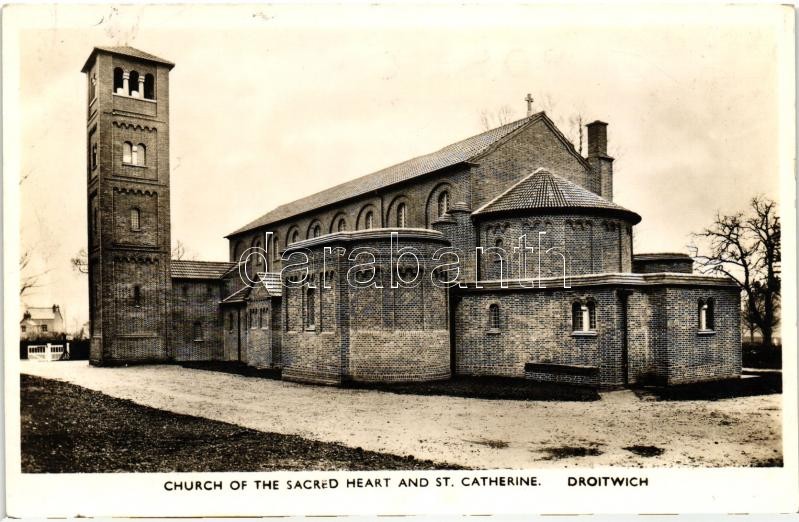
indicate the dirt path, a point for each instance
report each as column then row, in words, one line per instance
column 470, row 432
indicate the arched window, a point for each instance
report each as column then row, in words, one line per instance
column 310, row 305
column 118, row 88
column 149, row 87
column 342, row 225
column 137, row 299
column 275, row 248
column 134, row 155
column 135, row 219
column 94, row 156
column 402, row 215
column 316, row 231
column 493, row 316
column 197, row 330
column 706, row 315
column 443, row 203
column 369, row 220
column 583, row 316
column 141, row 151
column 295, row 236
column 577, row 316
column 133, row 84
column 93, row 87
column 499, row 243
column 127, row 152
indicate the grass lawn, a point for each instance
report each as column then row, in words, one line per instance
column 474, row 387
column 70, row 429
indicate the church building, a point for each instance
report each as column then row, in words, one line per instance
column 543, row 283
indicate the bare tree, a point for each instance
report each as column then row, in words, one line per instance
column 572, row 126
column 747, row 248
column 181, row 252
column 28, row 280
column 80, row 263
column 490, row 120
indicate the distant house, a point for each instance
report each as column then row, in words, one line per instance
column 38, row 321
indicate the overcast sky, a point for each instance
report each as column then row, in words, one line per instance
column 270, row 104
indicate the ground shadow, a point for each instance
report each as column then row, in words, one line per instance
column 751, row 383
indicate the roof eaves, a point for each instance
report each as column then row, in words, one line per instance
column 502, row 194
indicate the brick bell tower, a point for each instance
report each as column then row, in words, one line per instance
column 127, row 138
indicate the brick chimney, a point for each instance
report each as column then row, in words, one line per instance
column 601, row 163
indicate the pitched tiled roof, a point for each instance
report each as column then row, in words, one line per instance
column 450, row 155
column 271, row 281
column 126, row 51
column 182, row 269
column 544, row 190
column 41, row 313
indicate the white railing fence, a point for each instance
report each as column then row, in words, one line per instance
column 48, row 352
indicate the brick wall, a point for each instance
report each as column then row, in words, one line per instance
column 366, row 333
column 695, row 356
column 534, row 146
column 196, row 327
column 591, row 244
column 663, row 341
column 120, row 258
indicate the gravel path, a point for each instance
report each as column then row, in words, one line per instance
column 743, row 431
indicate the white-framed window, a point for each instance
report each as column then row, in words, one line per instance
column 706, row 315
column 583, row 317
column 493, row 316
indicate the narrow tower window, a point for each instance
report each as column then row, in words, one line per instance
column 149, row 87
column 94, row 156
column 118, row 89
column 137, row 296
column 342, row 225
column 369, row 221
column 133, row 84
column 141, row 151
column 135, row 219
column 127, row 152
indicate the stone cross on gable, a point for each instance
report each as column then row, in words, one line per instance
column 529, row 100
